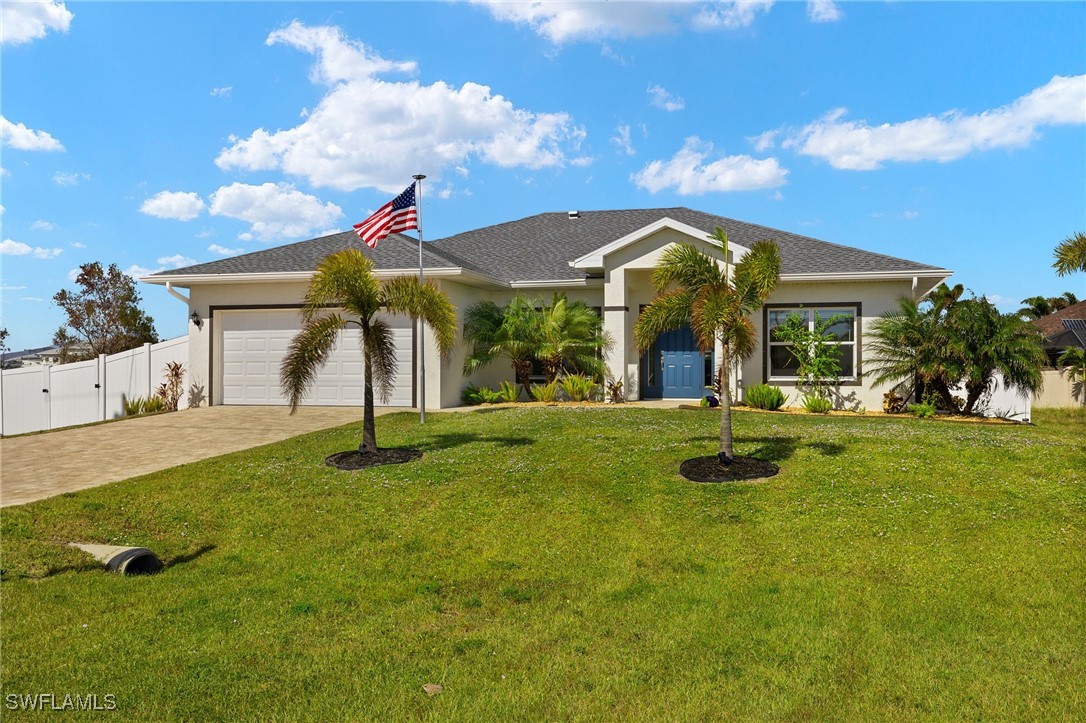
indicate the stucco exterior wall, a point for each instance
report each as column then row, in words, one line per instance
column 874, row 298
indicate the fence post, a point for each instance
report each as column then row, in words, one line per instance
column 2, row 401
column 102, row 387
column 45, row 396
column 150, row 379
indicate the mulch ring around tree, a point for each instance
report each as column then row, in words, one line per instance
column 355, row 460
column 742, row 469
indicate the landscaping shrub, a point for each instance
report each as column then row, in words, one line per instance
column 924, row 410
column 171, row 390
column 892, row 403
column 615, row 395
column 764, row 396
column 138, row 406
column 471, row 395
column 508, row 392
column 578, row 387
column 816, row 404
column 545, row 392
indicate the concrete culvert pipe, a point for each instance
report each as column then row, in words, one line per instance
column 125, row 560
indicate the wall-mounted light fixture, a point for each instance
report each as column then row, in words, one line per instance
column 196, row 320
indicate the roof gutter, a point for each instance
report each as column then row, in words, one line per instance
column 187, row 280
column 870, row 276
column 174, row 293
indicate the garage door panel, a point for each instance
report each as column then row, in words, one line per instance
column 254, row 343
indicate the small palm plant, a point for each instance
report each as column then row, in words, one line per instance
column 344, row 292
column 692, row 288
column 512, row 332
column 1072, row 362
column 571, row 339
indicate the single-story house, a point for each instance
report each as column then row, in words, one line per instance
column 1063, row 330
column 244, row 310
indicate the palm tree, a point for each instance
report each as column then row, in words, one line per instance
column 1035, row 307
column 909, row 347
column 988, row 341
column 571, row 338
column 1071, row 255
column 948, row 342
column 1073, row 364
column 512, row 332
column 344, row 292
column 692, row 288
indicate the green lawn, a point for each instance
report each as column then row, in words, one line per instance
column 551, row 564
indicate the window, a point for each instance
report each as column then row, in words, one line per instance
column 780, row 363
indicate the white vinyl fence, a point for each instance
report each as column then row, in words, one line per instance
column 49, row 397
column 1059, row 391
column 1002, row 400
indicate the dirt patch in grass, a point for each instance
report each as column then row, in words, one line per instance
column 355, row 460
column 742, row 469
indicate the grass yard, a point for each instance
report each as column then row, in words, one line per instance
column 551, row 564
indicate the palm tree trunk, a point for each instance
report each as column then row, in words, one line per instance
column 523, row 369
column 551, row 367
column 727, row 454
column 369, row 427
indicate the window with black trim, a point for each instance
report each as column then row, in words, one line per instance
column 780, row 362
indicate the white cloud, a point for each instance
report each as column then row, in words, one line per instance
column 73, row 274
column 855, row 145
column 367, row 132
column 582, row 161
column 223, row 92
column 63, row 178
column 223, row 251
column 764, row 141
column 77, row 245
column 608, row 52
column 661, row 98
column 562, row 22
column 206, row 233
column 4, row 171
column 21, row 138
column 461, row 171
column 21, row 22
column 910, row 215
column 823, row 11
column 176, row 261
column 12, row 288
column 179, row 205
column 40, row 225
column 274, row 210
column 621, row 140
column 730, row 15
column 688, row 173
column 571, row 21
column 17, row 248
column 246, row 236
column 31, row 298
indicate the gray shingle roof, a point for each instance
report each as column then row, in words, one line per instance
column 539, row 248
column 395, row 252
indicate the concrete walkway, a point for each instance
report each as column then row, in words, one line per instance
column 37, row 466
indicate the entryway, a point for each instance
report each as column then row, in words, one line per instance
column 674, row 367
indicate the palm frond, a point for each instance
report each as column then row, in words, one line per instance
column 757, row 274
column 379, row 344
column 686, row 266
column 1071, row 255
column 669, row 311
column 343, row 279
column 306, row 355
column 406, row 295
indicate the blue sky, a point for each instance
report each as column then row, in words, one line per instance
column 155, row 135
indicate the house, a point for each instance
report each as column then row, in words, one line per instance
column 244, row 310
column 1064, row 329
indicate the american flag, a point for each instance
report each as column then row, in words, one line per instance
column 399, row 214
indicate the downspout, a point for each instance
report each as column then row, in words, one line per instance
column 916, row 280
column 177, row 294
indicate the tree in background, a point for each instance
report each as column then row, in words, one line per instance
column 693, row 288
column 344, row 281
column 104, row 316
column 1038, row 306
column 1073, row 363
column 1071, row 255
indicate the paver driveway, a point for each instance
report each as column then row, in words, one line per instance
column 37, row 466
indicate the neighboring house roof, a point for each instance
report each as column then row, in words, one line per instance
column 1065, row 327
column 541, row 247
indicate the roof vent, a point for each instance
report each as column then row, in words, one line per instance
column 574, row 214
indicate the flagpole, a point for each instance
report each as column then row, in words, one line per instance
column 422, row 324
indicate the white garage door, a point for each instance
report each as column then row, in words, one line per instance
column 255, row 342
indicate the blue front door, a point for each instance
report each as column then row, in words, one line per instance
column 674, row 368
